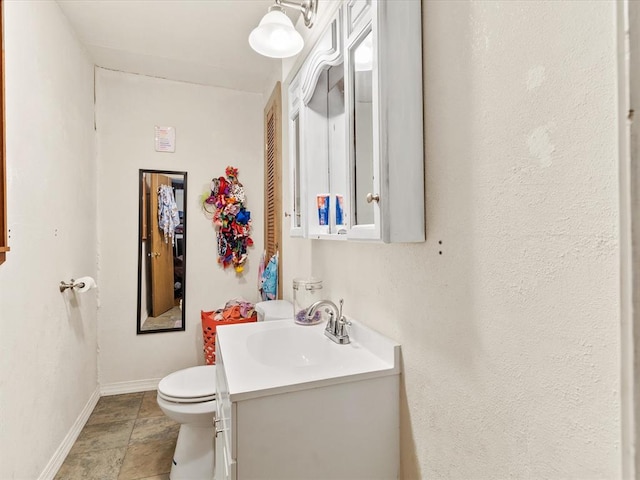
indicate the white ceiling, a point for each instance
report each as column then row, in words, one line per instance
column 200, row 41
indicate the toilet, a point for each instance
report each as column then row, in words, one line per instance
column 189, row 397
column 274, row 310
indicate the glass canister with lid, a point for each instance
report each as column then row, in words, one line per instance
column 306, row 291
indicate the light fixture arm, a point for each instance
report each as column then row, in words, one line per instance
column 309, row 8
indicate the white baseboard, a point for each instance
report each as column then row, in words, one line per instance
column 61, row 453
column 129, row 387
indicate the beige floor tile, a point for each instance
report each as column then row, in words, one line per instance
column 115, row 408
column 98, row 465
column 154, row 429
column 103, row 436
column 147, row 459
column 149, row 407
column 126, row 437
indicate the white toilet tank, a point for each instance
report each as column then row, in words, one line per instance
column 274, row 310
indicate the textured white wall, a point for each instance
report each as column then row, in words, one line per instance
column 215, row 127
column 48, row 354
column 510, row 336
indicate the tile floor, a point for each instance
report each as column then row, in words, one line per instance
column 127, row 437
column 169, row 319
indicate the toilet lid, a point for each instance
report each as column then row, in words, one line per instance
column 190, row 384
column 275, row 309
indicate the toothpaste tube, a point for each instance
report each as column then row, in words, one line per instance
column 323, row 209
column 339, row 210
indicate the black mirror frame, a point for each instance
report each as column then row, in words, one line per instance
column 139, row 330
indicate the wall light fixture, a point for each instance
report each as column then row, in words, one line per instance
column 276, row 36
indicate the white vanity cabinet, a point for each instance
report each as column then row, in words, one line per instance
column 224, row 454
column 270, row 426
column 376, row 162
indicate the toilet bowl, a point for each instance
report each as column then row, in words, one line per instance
column 188, row 397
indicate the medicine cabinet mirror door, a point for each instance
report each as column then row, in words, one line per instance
column 363, row 136
column 318, row 148
column 324, row 153
column 162, row 243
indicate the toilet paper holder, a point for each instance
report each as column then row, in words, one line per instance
column 82, row 284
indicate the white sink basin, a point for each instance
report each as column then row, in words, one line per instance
column 290, row 346
column 265, row 358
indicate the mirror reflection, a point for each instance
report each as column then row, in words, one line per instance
column 297, row 205
column 161, row 251
column 337, row 146
column 363, row 129
column 325, row 150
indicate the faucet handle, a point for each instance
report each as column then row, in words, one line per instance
column 331, row 323
column 341, row 302
column 341, row 329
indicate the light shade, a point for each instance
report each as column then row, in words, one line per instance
column 275, row 36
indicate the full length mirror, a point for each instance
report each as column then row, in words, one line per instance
column 162, row 242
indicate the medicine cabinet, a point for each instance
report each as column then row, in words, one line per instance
column 355, row 127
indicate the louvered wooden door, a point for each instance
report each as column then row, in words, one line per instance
column 273, row 179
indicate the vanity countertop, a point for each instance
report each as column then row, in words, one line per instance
column 267, row 358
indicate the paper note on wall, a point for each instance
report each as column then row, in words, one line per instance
column 165, row 139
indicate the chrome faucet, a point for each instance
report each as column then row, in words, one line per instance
column 336, row 326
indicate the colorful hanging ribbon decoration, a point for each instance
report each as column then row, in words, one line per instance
column 230, row 218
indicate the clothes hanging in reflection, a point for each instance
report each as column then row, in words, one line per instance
column 168, row 216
